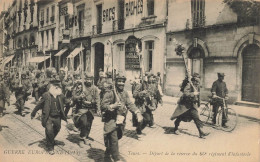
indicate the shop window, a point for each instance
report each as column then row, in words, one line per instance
column 198, row 13
column 150, row 7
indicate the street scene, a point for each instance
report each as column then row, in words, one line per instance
column 138, row 80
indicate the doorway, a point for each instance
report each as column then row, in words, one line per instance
column 99, row 60
column 251, row 74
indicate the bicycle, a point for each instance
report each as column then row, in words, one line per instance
column 206, row 115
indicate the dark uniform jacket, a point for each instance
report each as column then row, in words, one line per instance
column 109, row 117
column 187, row 101
column 87, row 101
column 4, row 94
column 45, row 105
column 219, row 88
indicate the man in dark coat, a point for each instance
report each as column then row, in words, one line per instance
column 52, row 105
column 188, row 104
column 219, row 89
column 114, row 108
column 4, row 95
column 87, row 103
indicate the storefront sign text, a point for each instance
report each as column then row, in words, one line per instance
column 134, row 7
column 109, row 14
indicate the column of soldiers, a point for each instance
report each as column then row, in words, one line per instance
column 57, row 94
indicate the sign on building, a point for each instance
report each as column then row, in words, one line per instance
column 131, row 55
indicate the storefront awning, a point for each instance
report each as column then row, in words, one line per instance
column 75, row 52
column 61, row 52
column 38, row 59
column 7, row 59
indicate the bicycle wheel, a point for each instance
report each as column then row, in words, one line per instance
column 204, row 113
column 230, row 122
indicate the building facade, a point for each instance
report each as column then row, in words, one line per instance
column 25, row 32
column 119, row 26
column 217, row 39
column 48, row 31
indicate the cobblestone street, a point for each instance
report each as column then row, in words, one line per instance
column 22, row 138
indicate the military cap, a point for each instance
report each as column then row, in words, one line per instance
column 119, row 76
column 221, row 74
column 23, row 75
column 109, row 74
column 196, row 75
column 101, row 74
column 55, row 82
column 62, row 69
column 89, row 75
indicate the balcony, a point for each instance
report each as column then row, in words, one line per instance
column 96, row 29
column 148, row 20
column 52, row 46
column 198, row 22
column 40, row 48
column 42, row 22
column 118, row 24
column 52, row 19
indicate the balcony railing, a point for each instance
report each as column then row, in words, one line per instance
column 42, row 22
column 96, row 29
column 39, row 48
column 118, row 24
column 52, row 46
column 52, row 19
column 198, row 22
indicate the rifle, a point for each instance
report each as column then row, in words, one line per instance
column 179, row 51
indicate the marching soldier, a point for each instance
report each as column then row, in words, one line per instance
column 87, row 102
column 106, row 84
column 68, row 87
column 4, row 95
column 114, row 107
column 188, row 104
column 146, row 99
column 219, row 89
column 52, row 105
column 20, row 93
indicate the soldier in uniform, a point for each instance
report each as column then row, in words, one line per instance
column 87, row 103
column 105, row 84
column 4, row 95
column 116, row 103
column 188, row 104
column 52, row 105
column 219, row 89
column 146, row 99
column 67, row 88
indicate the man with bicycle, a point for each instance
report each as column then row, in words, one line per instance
column 219, row 90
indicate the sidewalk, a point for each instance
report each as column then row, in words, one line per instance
column 242, row 111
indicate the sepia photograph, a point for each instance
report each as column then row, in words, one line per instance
column 130, row 80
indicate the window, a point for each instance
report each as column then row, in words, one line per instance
column 52, row 13
column 149, row 46
column 196, row 56
column 99, row 19
column 47, row 15
column 150, row 7
column 66, row 22
column 121, row 13
column 42, row 15
column 52, row 10
column 198, row 13
column 81, row 20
